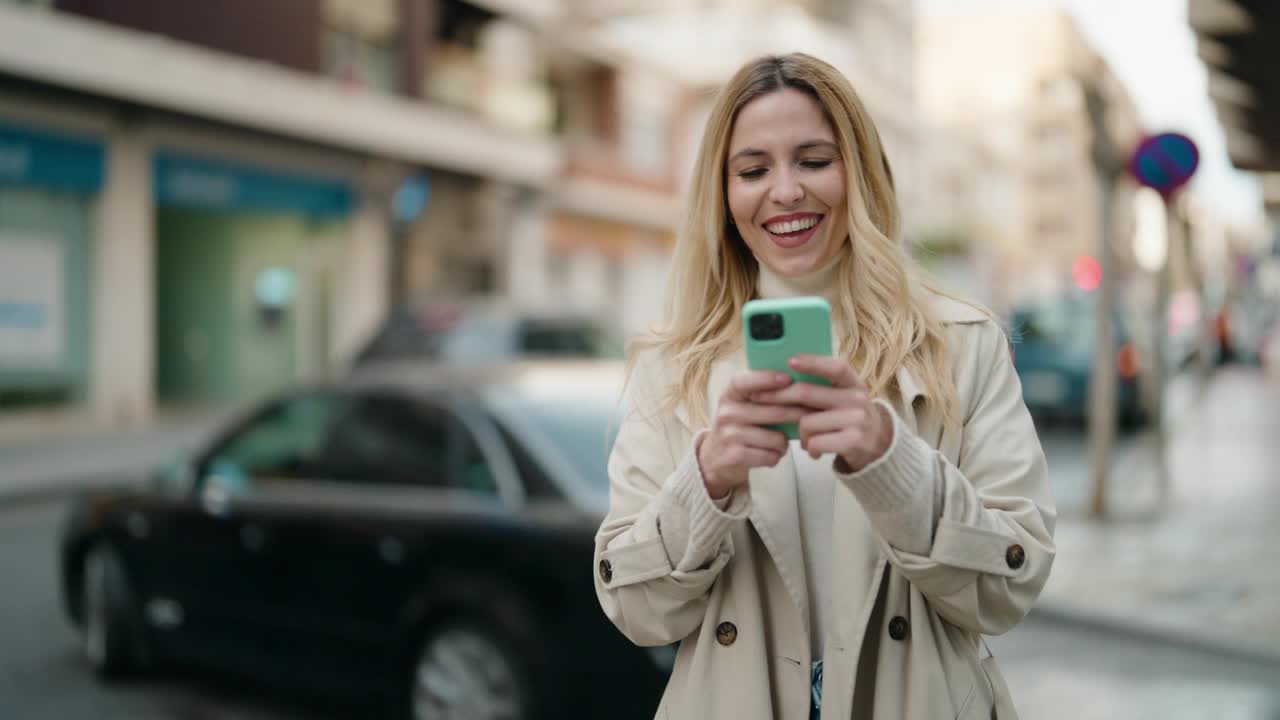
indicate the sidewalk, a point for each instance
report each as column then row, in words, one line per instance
column 85, row 457
column 1196, row 563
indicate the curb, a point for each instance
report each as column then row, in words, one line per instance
column 1133, row 626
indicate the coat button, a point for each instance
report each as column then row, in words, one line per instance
column 898, row 628
column 726, row 633
column 1015, row 556
column 606, row 571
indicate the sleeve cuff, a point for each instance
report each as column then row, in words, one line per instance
column 896, row 489
column 692, row 525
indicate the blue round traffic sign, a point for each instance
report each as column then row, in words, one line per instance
column 1165, row 162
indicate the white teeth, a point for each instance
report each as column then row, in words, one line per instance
column 792, row 225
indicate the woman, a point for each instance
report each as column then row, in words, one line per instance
column 851, row 573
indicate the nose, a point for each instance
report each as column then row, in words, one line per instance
column 786, row 189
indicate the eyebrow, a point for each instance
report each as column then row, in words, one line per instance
column 807, row 145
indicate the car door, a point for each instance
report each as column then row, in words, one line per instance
column 217, row 575
column 397, row 469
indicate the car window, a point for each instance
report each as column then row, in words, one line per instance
column 537, row 486
column 476, row 475
column 392, row 440
column 577, row 431
column 286, row 441
column 387, row 440
column 479, row 337
column 568, row 339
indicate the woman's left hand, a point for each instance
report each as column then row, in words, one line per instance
column 844, row 421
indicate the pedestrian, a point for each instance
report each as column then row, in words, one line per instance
column 850, row 573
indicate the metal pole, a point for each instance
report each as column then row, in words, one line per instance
column 1159, row 344
column 1102, row 384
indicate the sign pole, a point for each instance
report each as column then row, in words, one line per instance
column 1165, row 163
column 1102, row 385
column 1159, row 347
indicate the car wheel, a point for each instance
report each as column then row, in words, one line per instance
column 465, row 671
column 112, row 642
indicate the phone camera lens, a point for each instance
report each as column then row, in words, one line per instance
column 766, row 326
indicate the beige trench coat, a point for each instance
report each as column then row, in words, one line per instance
column 741, row 615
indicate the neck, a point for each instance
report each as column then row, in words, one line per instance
column 820, row 282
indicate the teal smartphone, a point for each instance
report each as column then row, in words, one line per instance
column 774, row 331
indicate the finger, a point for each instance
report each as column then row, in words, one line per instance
column 749, row 413
column 756, row 457
column 759, row 438
column 810, row 395
column 745, row 383
column 835, row 370
column 843, row 442
column 817, row 423
column 743, row 456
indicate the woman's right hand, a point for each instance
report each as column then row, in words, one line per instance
column 737, row 440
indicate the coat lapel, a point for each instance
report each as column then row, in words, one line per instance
column 908, row 392
column 774, row 511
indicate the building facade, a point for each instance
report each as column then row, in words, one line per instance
column 1010, row 173
column 198, row 205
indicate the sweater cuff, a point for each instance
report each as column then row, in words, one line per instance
column 691, row 524
column 896, row 489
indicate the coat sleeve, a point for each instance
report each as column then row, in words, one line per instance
column 976, row 537
column 664, row 540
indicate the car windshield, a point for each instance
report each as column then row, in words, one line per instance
column 1064, row 324
column 1068, row 324
column 571, row 432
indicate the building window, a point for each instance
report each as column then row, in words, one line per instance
column 360, row 43
column 489, row 66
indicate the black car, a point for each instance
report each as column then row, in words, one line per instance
column 422, row 535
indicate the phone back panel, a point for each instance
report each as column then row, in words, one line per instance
column 806, row 323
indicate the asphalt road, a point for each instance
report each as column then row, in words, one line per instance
column 1056, row 669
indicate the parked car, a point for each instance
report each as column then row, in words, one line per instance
column 484, row 331
column 1053, row 353
column 420, row 534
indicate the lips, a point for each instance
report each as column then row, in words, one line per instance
column 792, row 231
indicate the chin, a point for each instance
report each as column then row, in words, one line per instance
column 796, row 266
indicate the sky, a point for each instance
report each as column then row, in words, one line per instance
column 1151, row 48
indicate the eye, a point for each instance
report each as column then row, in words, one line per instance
column 752, row 174
column 815, row 164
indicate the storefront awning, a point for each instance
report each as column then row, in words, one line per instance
column 51, row 160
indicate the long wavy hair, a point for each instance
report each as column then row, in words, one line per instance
column 882, row 308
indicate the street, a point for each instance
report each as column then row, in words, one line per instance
column 43, row 674
column 1056, row 669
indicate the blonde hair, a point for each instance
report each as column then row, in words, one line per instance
column 881, row 305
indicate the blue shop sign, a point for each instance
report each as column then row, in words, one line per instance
column 50, row 159
column 183, row 180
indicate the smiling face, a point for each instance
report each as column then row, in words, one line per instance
column 785, row 183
